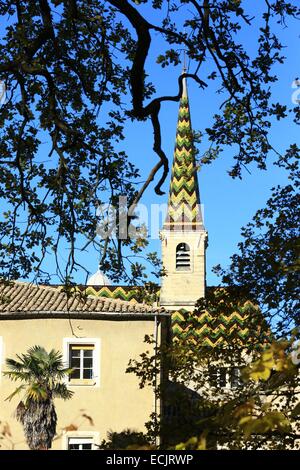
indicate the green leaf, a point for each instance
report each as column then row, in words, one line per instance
column 16, row 391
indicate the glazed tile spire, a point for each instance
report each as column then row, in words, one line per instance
column 184, row 212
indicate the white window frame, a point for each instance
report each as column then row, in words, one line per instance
column 80, row 441
column 228, row 382
column 95, row 381
column 81, row 359
column 80, row 437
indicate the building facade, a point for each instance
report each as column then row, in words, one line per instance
column 98, row 337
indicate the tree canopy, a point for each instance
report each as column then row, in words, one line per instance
column 75, row 71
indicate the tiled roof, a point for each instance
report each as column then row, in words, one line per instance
column 27, row 299
column 243, row 327
column 184, row 212
column 129, row 293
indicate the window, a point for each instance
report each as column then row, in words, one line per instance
column 81, row 361
column 235, row 378
column 83, row 356
column 80, row 440
column 80, row 443
column 183, row 257
column 225, row 377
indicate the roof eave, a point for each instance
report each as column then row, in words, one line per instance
column 23, row 315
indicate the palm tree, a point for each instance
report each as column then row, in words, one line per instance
column 42, row 374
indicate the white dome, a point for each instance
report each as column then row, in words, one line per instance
column 98, row 279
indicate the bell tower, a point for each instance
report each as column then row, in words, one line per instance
column 184, row 238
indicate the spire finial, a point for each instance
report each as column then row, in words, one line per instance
column 184, row 62
column 184, row 70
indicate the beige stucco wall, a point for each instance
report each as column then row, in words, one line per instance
column 182, row 289
column 116, row 404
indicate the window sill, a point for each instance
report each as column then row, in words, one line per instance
column 82, row 383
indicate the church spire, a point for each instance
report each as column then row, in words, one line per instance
column 184, row 212
column 184, row 238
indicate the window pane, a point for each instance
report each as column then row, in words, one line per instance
column 73, row 447
column 86, row 446
column 87, row 373
column 75, row 362
column 88, row 353
column 88, row 363
column 75, row 374
column 75, row 352
column 235, row 377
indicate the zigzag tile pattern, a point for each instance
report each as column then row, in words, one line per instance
column 128, row 293
column 184, row 211
column 237, row 327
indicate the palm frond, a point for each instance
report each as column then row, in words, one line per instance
column 60, row 390
column 36, row 392
column 15, row 392
column 62, row 373
column 38, row 352
column 18, row 375
column 14, row 365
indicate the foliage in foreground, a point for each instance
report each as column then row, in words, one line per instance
column 125, row 440
column 256, row 408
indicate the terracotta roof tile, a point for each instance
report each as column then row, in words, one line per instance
column 23, row 298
